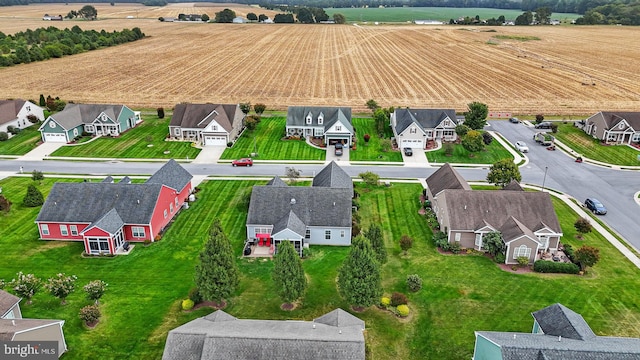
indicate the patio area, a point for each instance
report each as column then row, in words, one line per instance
column 257, row 250
column 556, row 255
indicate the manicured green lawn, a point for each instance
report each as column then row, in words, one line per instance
column 134, row 144
column 267, row 140
column 460, row 293
column 591, row 148
column 493, row 152
column 371, row 151
column 20, row 144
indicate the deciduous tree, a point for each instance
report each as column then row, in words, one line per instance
column 262, row 17
column 339, row 18
column 88, row 12
column 502, row 172
column 586, row 256
column 259, row 108
column 476, row 116
column 288, row 274
column 252, row 16
column 406, row 243
column 370, row 178
column 61, row 286
column 225, row 16
column 473, row 142
column 492, row 243
column 359, row 279
column 95, row 289
column 583, row 225
column 25, row 285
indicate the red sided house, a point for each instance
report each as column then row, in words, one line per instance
column 106, row 215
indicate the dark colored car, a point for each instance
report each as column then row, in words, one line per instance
column 338, row 149
column 543, row 125
column 408, row 151
column 242, row 162
column 514, row 120
column 595, row 206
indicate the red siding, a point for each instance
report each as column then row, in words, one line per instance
column 97, row 232
column 128, row 233
column 165, row 200
column 55, row 234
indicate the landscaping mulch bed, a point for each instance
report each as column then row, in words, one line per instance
column 211, row 304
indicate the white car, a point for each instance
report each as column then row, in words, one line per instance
column 522, row 147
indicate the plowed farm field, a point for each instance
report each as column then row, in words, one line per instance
column 524, row 70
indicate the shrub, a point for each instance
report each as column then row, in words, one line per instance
column 194, row 295
column 32, row 118
column 4, row 136
column 229, row 144
column 187, row 304
column 385, row 302
column 500, row 258
column 90, row 314
column 259, row 108
column 544, row 266
column 523, row 260
column 25, row 285
column 440, row 239
column 554, row 128
column 448, row 149
column 369, row 178
column 95, row 289
column 5, row 204
column 406, row 243
column 398, row 299
column 568, row 250
column 487, row 138
column 583, row 225
column 61, row 286
column 539, row 118
column 37, row 175
column 367, row 137
column 455, row 248
column 414, row 282
column 403, row 310
column 160, row 111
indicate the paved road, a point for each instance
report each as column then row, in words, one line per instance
column 614, row 188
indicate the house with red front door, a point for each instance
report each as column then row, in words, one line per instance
column 107, row 215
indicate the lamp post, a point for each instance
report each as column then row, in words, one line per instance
column 545, row 177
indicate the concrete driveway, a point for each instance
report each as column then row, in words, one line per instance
column 418, row 159
column 42, row 151
column 209, row 155
column 341, row 160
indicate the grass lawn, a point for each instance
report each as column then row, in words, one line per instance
column 20, row 144
column 493, row 152
column 270, row 146
column 371, row 151
column 133, row 144
column 460, row 293
column 591, row 148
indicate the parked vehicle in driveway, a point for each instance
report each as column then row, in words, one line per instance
column 595, row 206
column 408, row 151
column 338, row 149
column 522, row 147
column 242, row 162
column 543, row 125
column 514, row 120
column 543, row 138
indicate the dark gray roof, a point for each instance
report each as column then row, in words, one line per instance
column 425, row 118
column 446, row 177
column 7, row 302
column 513, row 186
column 225, row 337
column 78, row 114
column 9, row 110
column 111, row 222
column 333, row 176
column 339, row 317
column 9, row 327
column 291, row 222
column 172, row 175
column 613, row 118
column 125, row 180
column 297, row 115
column 108, row 180
column 558, row 320
column 198, row 116
column 276, row 181
column 512, row 229
column 467, row 208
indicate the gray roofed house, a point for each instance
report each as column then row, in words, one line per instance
column 317, row 214
column 207, row 124
column 96, row 119
column 34, row 329
column 221, row 336
column 16, row 112
column 333, row 124
column 106, row 214
column 526, row 220
column 9, row 306
column 614, row 127
column 277, row 181
column 558, row 334
column 513, row 186
column 412, row 128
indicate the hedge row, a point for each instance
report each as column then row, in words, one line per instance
column 544, row 266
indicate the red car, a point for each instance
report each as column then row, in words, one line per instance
column 242, row 162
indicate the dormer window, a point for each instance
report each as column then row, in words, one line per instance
column 320, row 118
column 309, row 118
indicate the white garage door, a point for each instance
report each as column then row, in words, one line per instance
column 215, row 140
column 415, row 144
column 54, row 137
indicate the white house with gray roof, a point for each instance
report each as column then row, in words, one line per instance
column 558, row 333
column 336, row 335
column 16, row 112
column 412, row 128
column 333, row 124
column 319, row 214
column 206, row 124
column 95, row 119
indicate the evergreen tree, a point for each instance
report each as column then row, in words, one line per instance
column 42, row 102
column 359, row 279
column 33, row 197
column 374, row 234
column 216, row 273
column 288, row 274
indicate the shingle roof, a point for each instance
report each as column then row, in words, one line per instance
column 78, row 114
column 9, row 110
column 111, row 222
column 558, row 320
column 446, row 177
column 297, row 115
column 172, row 175
column 9, row 327
column 425, row 118
column 277, row 181
column 513, row 229
column 333, row 176
column 291, row 222
column 339, row 317
column 198, row 116
column 7, row 302
column 613, row 118
column 513, row 186
column 232, row 338
column 108, row 179
column 125, row 180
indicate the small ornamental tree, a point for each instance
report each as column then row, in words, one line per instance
column 33, row 197
column 476, row 116
column 414, row 282
column 359, row 278
column 406, row 243
column 369, row 178
column 487, row 138
column 492, row 243
column 4, row 136
column 25, row 285
column 374, row 234
column 462, row 130
column 385, row 145
column 5, row 204
column 37, row 175
column 288, row 274
column 502, row 172
column 448, row 149
column 42, row 101
column 216, row 274
column 95, row 289
column 32, row 118
column 160, row 113
column 245, row 107
column 586, row 256
column 372, row 105
column 292, row 173
column 583, row 225
column 259, row 108
column 367, row 137
column 472, row 142
column 90, row 314
column 539, row 118
column 61, row 286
